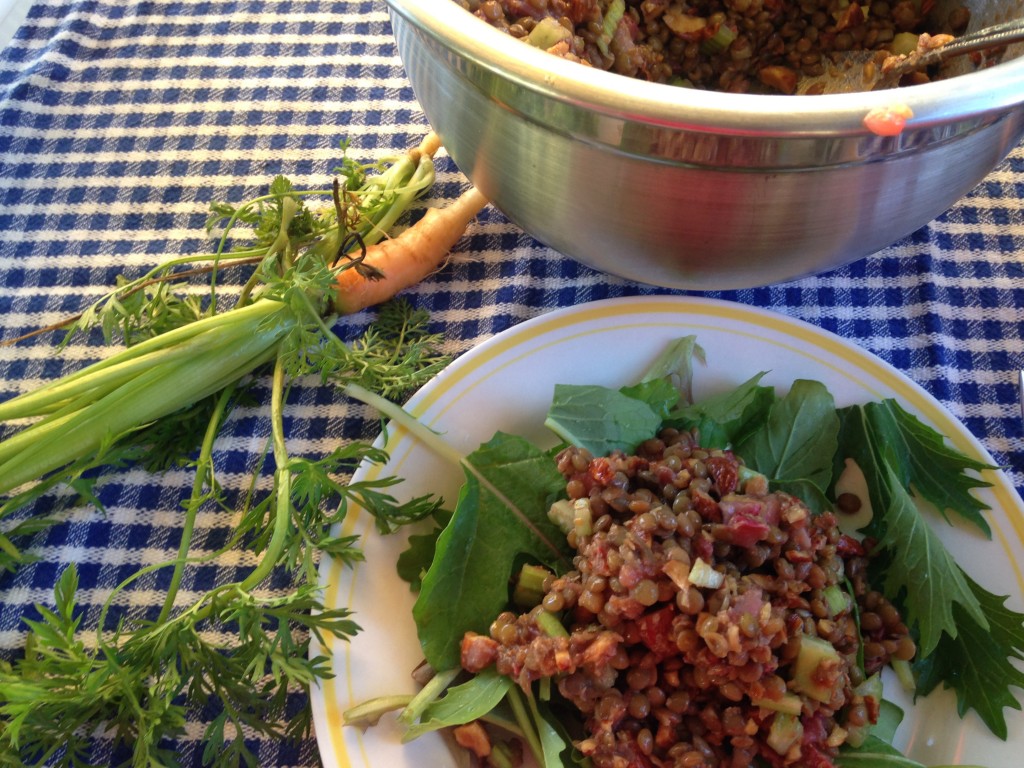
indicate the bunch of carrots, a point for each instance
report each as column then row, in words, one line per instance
column 184, row 363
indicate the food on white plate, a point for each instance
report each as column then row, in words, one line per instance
column 677, row 585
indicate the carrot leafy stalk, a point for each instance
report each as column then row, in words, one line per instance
column 239, row 648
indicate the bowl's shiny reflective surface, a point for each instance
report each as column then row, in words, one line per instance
column 693, row 189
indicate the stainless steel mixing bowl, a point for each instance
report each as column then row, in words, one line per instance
column 694, row 189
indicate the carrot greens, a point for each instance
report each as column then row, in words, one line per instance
column 188, row 357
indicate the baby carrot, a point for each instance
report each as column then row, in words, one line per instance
column 408, row 258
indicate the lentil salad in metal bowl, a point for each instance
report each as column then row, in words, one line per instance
column 737, row 46
column 742, row 533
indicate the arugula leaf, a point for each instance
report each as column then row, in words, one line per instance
column 600, row 419
column 798, row 438
column 556, row 750
column 462, row 704
column 726, row 419
column 669, row 378
column 977, row 662
column 501, row 515
column 550, row 748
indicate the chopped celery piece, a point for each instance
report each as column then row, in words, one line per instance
column 529, row 590
column 789, row 704
column 719, row 41
column 785, row 731
column 904, row 43
column 582, row 520
column 612, row 17
column 550, row 625
column 813, row 654
column 837, row 601
column 869, row 689
column 703, row 575
column 563, row 515
column 547, row 34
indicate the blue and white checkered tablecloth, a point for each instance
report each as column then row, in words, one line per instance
column 121, row 121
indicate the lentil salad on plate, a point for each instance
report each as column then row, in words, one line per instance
column 693, row 597
column 559, row 345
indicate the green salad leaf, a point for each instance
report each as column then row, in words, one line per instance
column 660, row 395
column 461, row 704
column 877, row 750
column 727, row 418
column 797, row 438
column 674, row 368
column 918, row 455
column 967, row 637
column 599, row 419
column 417, row 557
column 921, row 567
column 554, row 748
column 876, row 753
column 500, row 516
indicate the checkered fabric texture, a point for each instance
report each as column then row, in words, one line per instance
column 121, row 121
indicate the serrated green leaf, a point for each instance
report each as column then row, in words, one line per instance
column 659, row 394
column 923, row 569
column 919, row 456
column 938, row 471
column 414, row 561
column 977, row 664
column 675, row 366
column 281, row 185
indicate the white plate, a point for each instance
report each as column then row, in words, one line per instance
column 506, row 383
